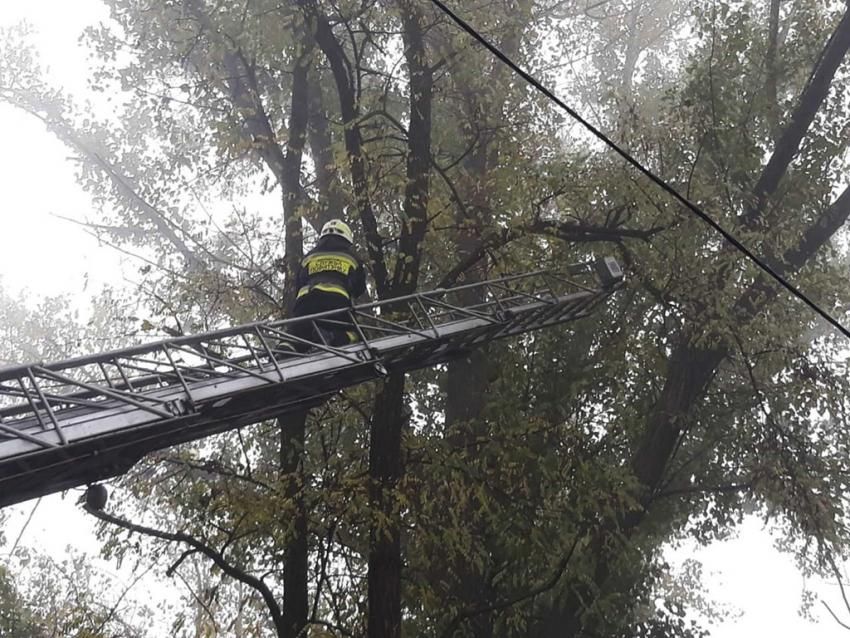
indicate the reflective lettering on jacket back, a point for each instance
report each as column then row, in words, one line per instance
column 329, row 262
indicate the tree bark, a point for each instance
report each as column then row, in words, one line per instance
column 633, row 50
column 286, row 167
column 466, row 379
column 810, row 101
column 246, row 102
column 292, row 427
column 417, row 191
column 332, row 201
column 385, row 450
column 296, row 553
column 385, row 472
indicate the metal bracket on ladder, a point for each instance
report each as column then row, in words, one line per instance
column 72, row 422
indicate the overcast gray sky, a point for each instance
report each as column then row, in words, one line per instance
column 48, row 256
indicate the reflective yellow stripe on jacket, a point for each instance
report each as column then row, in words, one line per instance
column 339, row 290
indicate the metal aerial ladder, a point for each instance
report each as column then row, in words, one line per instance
column 81, row 420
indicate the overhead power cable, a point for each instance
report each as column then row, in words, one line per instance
column 759, row 262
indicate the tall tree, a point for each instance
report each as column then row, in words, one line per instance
column 530, row 489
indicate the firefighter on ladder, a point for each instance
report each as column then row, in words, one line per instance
column 330, row 277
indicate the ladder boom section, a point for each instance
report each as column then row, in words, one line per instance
column 68, row 423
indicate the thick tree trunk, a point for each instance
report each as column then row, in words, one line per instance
column 385, row 450
column 291, row 176
column 385, row 472
column 417, row 189
column 633, row 50
column 296, row 553
column 246, row 101
column 293, row 426
column 332, row 200
column 466, row 391
column 690, row 370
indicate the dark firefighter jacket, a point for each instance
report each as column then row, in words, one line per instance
column 331, row 267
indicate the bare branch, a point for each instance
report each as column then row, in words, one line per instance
column 566, row 231
column 227, row 567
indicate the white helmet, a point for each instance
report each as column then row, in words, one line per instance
column 338, row 227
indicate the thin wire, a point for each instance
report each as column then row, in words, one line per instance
column 24, row 528
column 648, row 173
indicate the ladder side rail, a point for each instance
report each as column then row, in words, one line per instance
column 148, row 441
column 568, row 306
column 461, row 311
column 57, row 398
column 431, row 324
column 124, row 397
column 189, row 398
column 361, row 333
column 515, row 297
column 151, row 377
column 444, row 291
column 140, row 385
column 514, row 294
column 525, row 315
column 529, row 316
column 269, row 335
column 541, row 289
column 28, row 406
column 105, row 374
column 253, row 352
column 112, row 400
column 147, row 348
column 89, row 392
column 381, row 328
column 121, row 371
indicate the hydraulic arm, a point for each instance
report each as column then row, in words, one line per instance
column 81, row 420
